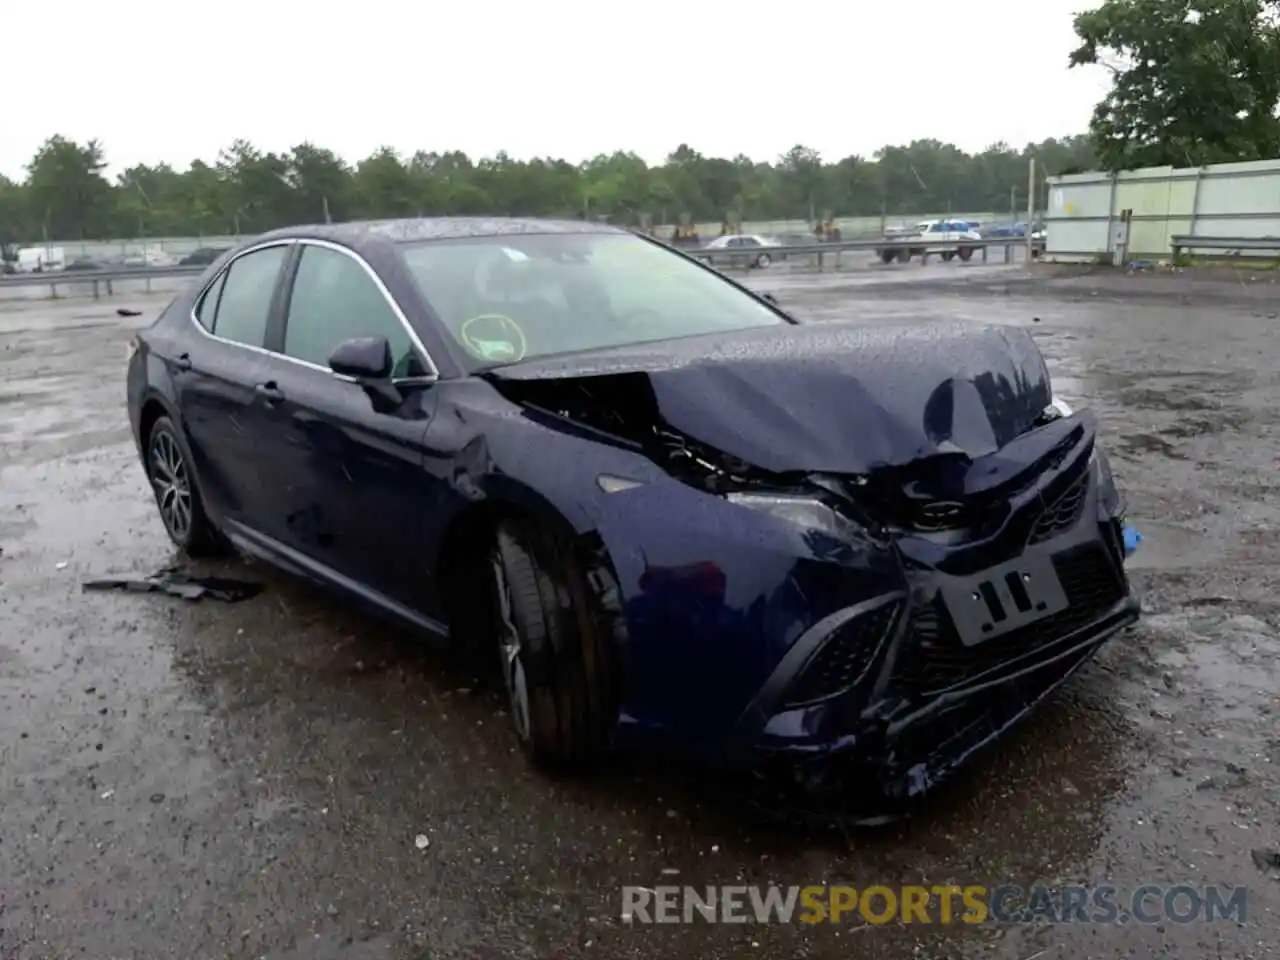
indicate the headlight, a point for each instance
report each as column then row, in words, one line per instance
column 1060, row 405
column 802, row 511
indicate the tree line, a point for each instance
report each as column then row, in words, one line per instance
column 1193, row 82
column 66, row 195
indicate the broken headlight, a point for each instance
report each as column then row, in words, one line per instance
column 802, row 511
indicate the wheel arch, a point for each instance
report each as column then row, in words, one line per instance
column 468, row 536
column 154, row 406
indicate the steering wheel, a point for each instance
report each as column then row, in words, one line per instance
column 494, row 337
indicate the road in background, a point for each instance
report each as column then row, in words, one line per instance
column 207, row 780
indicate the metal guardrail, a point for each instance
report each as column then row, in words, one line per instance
column 100, row 280
column 786, row 252
column 1236, row 245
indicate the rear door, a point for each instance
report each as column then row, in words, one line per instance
column 345, row 474
column 215, row 379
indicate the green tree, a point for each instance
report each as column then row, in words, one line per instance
column 1193, row 81
column 66, row 195
column 248, row 191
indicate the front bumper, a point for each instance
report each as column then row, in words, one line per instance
column 901, row 691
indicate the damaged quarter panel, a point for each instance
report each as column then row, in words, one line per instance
column 714, row 593
column 936, row 445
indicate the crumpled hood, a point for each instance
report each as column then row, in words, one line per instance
column 833, row 397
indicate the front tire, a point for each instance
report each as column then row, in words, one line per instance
column 557, row 665
column 177, row 497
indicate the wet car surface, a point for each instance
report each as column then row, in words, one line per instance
column 206, row 779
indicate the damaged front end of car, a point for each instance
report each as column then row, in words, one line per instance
column 869, row 578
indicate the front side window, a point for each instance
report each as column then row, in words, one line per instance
column 247, row 291
column 505, row 299
column 334, row 299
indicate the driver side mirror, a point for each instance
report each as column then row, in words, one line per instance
column 363, row 359
column 368, row 362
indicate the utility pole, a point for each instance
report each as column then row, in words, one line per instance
column 1031, row 211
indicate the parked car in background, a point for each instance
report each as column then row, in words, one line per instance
column 744, row 249
column 202, row 257
column 40, row 259
column 948, row 238
column 85, row 263
column 149, row 258
column 667, row 512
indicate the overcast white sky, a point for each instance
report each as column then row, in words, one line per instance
column 155, row 81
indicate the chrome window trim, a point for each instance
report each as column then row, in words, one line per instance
column 433, row 372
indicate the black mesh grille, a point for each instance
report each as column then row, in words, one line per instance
column 937, row 660
column 1064, row 513
column 844, row 658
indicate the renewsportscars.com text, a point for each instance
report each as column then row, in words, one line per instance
column 1147, row 904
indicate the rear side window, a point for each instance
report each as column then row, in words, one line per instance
column 334, row 299
column 208, row 308
column 245, row 300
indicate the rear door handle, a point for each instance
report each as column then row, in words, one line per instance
column 183, row 362
column 268, row 392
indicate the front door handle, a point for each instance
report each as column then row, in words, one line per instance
column 269, row 393
column 183, row 362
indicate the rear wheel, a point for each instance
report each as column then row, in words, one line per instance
column 181, row 510
column 763, row 260
column 887, row 256
column 557, row 665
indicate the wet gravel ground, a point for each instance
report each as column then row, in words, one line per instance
column 196, row 780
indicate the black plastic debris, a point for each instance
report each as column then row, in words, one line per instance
column 126, row 312
column 178, row 584
column 1265, row 858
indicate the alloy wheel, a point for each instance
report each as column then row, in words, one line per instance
column 172, row 484
column 509, row 645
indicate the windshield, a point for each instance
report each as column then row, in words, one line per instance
column 506, row 299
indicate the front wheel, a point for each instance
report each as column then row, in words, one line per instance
column 966, row 253
column 557, row 665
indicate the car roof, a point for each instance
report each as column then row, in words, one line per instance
column 362, row 233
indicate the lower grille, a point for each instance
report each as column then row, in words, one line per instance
column 844, row 657
column 937, row 661
column 947, row 739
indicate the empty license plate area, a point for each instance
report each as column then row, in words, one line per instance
column 1003, row 598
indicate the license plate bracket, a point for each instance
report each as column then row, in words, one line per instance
column 1002, row 599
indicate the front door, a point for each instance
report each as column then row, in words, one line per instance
column 215, row 379
column 344, row 474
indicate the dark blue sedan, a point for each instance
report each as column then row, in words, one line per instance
column 674, row 515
